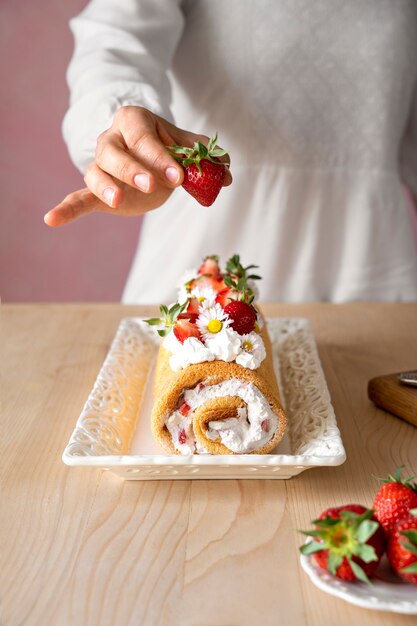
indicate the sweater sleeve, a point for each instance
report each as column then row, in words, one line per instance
column 408, row 154
column 123, row 51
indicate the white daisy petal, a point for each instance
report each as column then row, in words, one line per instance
column 205, row 295
column 252, row 351
column 212, row 321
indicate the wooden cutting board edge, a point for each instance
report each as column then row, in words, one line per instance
column 388, row 393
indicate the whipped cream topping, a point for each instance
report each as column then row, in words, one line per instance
column 226, row 345
column 254, row 425
column 187, row 353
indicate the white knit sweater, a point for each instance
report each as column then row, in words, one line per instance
column 316, row 102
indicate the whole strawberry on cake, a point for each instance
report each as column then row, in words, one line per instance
column 215, row 388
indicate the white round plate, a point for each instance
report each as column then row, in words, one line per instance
column 387, row 592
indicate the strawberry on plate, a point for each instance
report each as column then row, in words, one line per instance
column 347, row 541
column 402, row 548
column 394, row 499
column 204, row 174
column 242, row 316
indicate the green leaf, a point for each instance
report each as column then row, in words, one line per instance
column 333, row 562
column 164, row 309
column 217, row 152
column 410, row 534
column 311, row 548
column 365, row 552
column 410, row 569
column 164, row 332
column 202, row 150
column 409, row 546
column 321, row 534
column 359, row 573
column 327, row 521
column 153, row 321
column 212, row 141
column 365, row 530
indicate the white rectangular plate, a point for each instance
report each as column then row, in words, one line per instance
column 113, row 431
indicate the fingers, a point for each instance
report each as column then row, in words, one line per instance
column 228, row 178
column 75, row 205
column 134, row 153
column 133, row 171
column 103, row 186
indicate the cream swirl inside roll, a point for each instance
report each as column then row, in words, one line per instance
column 246, row 425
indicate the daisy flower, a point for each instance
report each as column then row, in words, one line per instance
column 252, row 351
column 212, row 321
column 183, row 288
column 205, row 295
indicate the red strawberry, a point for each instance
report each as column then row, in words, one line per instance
column 242, row 315
column 204, row 184
column 210, row 266
column 402, row 548
column 223, row 297
column 348, row 542
column 184, row 408
column 204, row 174
column 182, row 437
column 184, row 329
column 394, row 499
column 193, row 307
column 216, row 283
column 265, row 425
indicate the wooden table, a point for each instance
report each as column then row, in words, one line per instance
column 82, row 547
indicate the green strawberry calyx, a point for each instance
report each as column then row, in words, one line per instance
column 237, row 278
column 188, row 156
column 344, row 537
column 396, row 478
column 168, row 318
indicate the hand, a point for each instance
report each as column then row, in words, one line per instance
column 132, row 172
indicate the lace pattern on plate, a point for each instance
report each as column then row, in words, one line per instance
column 107, row 422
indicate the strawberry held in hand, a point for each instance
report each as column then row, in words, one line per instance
column 402, row 548
column 204, row 174
column 348, row 542
column 394, row 499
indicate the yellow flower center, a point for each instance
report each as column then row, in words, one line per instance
column 246, row 345
column 214, row 326
column 201, row 299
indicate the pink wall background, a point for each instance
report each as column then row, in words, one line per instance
column 88, row 260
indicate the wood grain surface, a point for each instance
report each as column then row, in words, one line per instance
column 82, row 547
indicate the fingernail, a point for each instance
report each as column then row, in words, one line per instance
column 172, row 174
column 142, row 181
column 108, row 195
